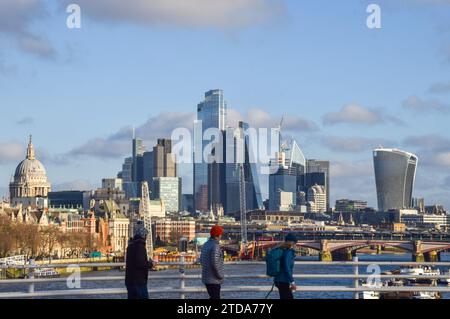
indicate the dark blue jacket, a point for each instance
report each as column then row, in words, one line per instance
column 137, row 263
column 286, row 274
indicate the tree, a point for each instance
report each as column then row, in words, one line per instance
column 6, row 239
column 26, row 237
column 48, row 239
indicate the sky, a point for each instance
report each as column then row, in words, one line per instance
column 343, row 89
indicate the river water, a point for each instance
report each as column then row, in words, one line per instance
column 234, row 270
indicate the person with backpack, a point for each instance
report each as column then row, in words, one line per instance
column 211, row 260
column 280, row 265
column 137, row 266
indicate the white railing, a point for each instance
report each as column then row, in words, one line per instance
column 181, row 290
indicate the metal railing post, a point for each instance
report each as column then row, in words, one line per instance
column 356, row 273
column 182, row 278
column 31, row 276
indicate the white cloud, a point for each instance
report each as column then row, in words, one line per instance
column 259, row 118
column 354, row 180
column 161, row 126
column 442, row 159
column 16, row 18
column 429, row 142
column 11, row 152
column 417, row 105
column 119, row 144
column 357, row 114
column 193, row 13
column 351, row 169
column 38, row 46
column 353, row 144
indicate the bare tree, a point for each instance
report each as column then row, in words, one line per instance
column 6, row 237
column 48, row 239
column 27, row 238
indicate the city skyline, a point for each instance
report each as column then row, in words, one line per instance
column 291, row 64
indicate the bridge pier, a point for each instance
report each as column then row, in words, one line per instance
column 431, row 256
column 325, row 253
column 325, row 256
column 418, row 257
column 379, row 249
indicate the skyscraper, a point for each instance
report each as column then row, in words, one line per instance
column 138, row 151
column 137, row 172
column 395, row 172
column 147, row 161
column 211, row 113
column 318, row 172
column 282, row 181
column 290, row 163
column 126, row 174
column 163, row 163
column 253, row 194
column 168, row 189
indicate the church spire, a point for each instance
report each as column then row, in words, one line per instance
column 30, row 149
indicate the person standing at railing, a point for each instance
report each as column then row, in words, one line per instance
column 284, row 281
column 137, row 266
column 212, row 263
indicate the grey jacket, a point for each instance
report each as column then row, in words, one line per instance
column 212, row 263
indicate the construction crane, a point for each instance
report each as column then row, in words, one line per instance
column 144, row 207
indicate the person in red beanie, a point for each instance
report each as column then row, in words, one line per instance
column 212, row 263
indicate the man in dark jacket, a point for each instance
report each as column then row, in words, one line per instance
column 212, row 263
column 137, row 266
column 284, row 281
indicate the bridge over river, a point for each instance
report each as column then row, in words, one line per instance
column 342, row 246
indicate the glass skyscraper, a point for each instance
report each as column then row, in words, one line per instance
column 395, row 172
column 282, row 181
column 253, row 194
column 211, row 113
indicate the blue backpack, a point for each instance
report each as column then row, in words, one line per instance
column 273, row 261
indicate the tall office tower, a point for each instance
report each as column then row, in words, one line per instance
column 138, row 151
column 137, row 170
column 163, row 163
column 168, row 189
column 217, row 177
column 318, row 172
column 253, row 195
column 211, row 113
column 127, row 182
column 395, row 171
column 147, row 170
column 290, row 164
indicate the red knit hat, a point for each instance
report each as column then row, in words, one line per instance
column 216, row 231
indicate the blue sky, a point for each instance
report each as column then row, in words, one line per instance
column 343, row 88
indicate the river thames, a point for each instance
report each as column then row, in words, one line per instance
column 235, row 270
